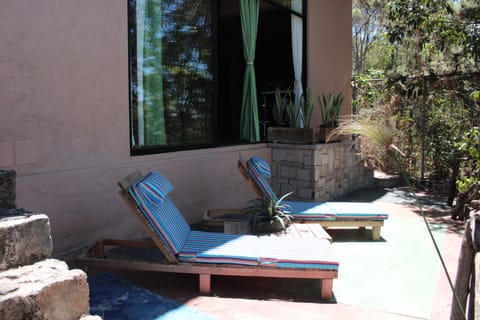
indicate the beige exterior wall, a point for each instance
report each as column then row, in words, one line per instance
column 329, row 51
column 64, row 123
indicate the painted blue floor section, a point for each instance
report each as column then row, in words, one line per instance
column 115, row 299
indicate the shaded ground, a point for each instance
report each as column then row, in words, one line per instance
column 398, row 277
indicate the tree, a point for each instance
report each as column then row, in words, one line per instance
column 367, row 16
column 425, row 58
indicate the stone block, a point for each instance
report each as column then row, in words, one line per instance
column 276, row 186
column 292, row 156
column 44, row 290
column 304, row 193
column 288, row 172
column 308, row 159
column 324, row 160
column 24, row 240
column 286, row 188
column 304, row 175
column 320, row 183
column 279, row 154
column 306, row 184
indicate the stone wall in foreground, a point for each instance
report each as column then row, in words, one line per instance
column 33, row 285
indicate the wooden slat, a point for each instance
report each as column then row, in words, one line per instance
column 243, row 171
column 462, row 280
column 210, row 217
column 126, row 182
column 130, row 243
column 212, row 269
column 326, row 287
column 204, row 283
column 348, row 223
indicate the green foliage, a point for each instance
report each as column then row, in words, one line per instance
column 306, row 104
column 268, row 211
column 279, row 108
column 330, row 106
column 469, row 146
column 284, row 110
column 291, row 111
column 424, row 75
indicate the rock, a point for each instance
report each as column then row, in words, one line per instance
column 24, row 240
column 46, row 290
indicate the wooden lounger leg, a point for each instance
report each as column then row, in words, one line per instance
column 204, row 283
column 326, row 288
column 376, row 233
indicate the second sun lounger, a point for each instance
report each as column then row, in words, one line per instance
column 327, row 214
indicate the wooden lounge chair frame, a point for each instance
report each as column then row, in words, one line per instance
column 96, row 257
column 376, row 225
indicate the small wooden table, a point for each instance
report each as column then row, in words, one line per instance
column 296, row 230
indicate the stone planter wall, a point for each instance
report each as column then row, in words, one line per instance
column 318, row 172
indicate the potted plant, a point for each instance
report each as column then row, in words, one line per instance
column 285, row 116
column 269, row 216
column 330, row 106
column 279, row 111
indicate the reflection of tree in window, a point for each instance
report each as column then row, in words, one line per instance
column 171, row 72
column 187, row 74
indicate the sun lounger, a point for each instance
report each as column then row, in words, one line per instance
column 327, row 214
column 210, row 253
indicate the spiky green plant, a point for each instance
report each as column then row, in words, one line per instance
column 379, row 133
column 291, row 110
column 306, row 104
column 269, row 211
column 279, row 107
column 330, row 106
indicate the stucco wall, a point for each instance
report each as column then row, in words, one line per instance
column 64, row 123
column 329, row 51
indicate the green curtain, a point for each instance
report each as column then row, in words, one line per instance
column 249, row 126
column 150, row 109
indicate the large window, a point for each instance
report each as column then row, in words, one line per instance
column 186, row 70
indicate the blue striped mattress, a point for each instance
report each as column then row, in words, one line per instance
column 334, row 211
column 220, row 248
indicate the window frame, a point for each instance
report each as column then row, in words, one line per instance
column 157, row 149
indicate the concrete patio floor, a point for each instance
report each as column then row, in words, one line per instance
column 398, row 277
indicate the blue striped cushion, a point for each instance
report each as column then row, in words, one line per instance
column 155, row 187
column 357, row 211
column 258, row 169
column 309, row 210
column 297, row 253
column 151, row 195
column 212, row 247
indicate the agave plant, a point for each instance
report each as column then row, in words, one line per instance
column 268, row 215
column 330, row 105
column 306, row 104
column 279, row 108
